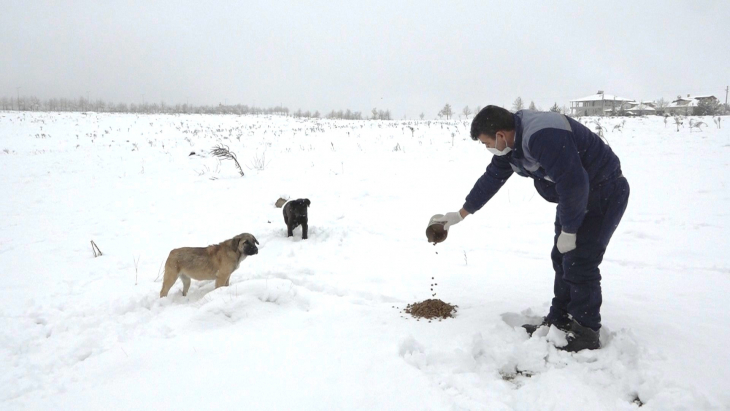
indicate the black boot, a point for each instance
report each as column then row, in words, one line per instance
column 581, row 338
column 562, row 324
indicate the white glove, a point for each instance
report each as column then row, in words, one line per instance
column 450, row 219
column 566, row 242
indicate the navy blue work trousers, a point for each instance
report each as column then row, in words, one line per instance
column 577, row 276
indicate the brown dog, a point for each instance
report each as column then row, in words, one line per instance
column 215, row 262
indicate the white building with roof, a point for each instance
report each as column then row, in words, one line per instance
column 598, row 104
column 685, row 105
column 640, row 109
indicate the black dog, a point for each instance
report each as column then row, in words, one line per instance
column 295, row 214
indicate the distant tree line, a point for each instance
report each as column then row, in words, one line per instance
column 448, row 112
column 32, row 103
column 306, row 114
column 379, row 114
column 345, row 115
column 81, row 104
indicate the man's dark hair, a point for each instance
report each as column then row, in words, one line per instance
column 490, row 120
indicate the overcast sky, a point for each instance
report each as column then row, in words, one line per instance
column 406, row 56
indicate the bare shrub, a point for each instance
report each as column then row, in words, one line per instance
column 259, row 162
column 221, row 151
column 678, row 121
column 695, row 124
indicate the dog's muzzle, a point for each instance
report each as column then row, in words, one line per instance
column 250, row 250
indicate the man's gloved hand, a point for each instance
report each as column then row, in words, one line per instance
column 566, row 242
column 450, row 219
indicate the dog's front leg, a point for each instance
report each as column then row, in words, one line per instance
column 290, row 230
column 304, row 230
column 222, row 280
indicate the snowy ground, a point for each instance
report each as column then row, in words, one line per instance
column 312, row 324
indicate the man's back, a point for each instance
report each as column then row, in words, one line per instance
column 597, row 158
column 550, row 148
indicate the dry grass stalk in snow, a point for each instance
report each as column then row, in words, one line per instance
column 259, row 162
column 224, row 153
column 95, row 249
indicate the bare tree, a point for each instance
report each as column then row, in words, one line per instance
column 555, row 108
column 532, row 106
column 446, row 111
column 517, row 105
column 422, row 116
column 466, row 111
column 661, row 105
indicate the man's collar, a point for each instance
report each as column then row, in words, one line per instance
column 517, row 149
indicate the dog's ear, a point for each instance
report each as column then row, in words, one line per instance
column 307, row 202
column 255, row 240
column 235, row 241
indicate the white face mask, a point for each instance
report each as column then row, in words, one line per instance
column 499, row 153
column 496, row 152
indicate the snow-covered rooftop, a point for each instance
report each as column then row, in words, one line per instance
column 599, row 97
column 690, row 101
column 675, row 103
column 642, row 107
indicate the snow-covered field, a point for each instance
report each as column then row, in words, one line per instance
column 316, row 324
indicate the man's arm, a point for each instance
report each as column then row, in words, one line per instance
column 556, row 151
column 498, row 171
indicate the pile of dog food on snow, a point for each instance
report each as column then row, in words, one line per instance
column 430, row 309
